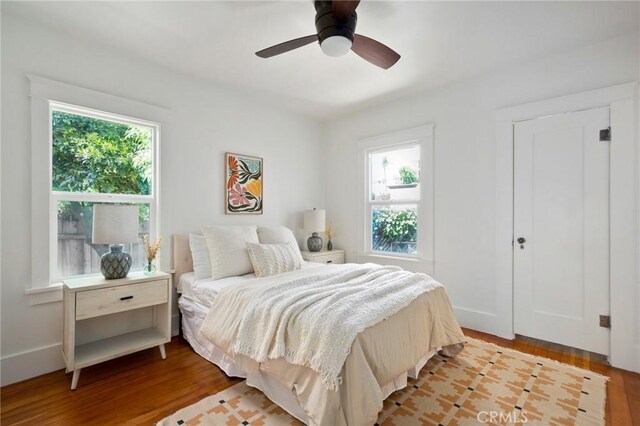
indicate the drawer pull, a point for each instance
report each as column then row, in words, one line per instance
column 126, row 298
column 329, row 261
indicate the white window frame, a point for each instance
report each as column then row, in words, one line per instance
column 423, row 260
column 370, row 204
column 56, row 196
column 42, row 287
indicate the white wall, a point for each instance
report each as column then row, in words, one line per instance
column 203, row 121
column 465, row 161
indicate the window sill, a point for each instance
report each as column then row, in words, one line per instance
column 42, row 295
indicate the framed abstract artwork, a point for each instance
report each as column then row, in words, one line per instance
column 243, row 178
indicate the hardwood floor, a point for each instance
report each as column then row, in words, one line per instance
column 142, row 388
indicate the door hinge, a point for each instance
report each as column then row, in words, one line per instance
column 605, row 135
column 605, row 321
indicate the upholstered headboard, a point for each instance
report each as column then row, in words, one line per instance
column 182, row 261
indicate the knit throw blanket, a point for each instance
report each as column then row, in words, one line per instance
column 312, row 320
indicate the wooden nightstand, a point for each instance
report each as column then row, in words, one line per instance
column 87, row 342
column 324, row 256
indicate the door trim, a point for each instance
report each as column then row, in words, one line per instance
column 624, row 285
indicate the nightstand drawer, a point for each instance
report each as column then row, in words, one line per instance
column 329, row 258
column 104, row 301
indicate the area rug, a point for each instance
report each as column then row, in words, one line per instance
column 485, row 384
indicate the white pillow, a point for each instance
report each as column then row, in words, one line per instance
column 272, row 259
column 278, row 235
column 200, row 256
column 228, row 249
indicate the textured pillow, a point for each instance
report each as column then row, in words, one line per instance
column 228, row 249
column 200, row 256
column 278, row 235
column 272, row 259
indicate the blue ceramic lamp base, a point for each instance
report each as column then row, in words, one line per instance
column 116, row 263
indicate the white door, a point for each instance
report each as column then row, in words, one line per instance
column 561, row 229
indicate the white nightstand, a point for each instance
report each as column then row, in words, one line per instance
column 324, row 256
column 87, row 342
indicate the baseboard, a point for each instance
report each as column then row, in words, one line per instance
column 28, row 364
column 637, row 358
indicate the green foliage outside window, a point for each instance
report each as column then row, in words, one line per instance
column 394, row 230
column 408, row 175
column 91, row 155
column 99, row 156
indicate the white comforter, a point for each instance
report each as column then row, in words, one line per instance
column 313, row 321
column 311, row 318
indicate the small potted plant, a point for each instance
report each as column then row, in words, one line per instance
column 151, row 250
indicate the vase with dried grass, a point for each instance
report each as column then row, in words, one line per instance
column 151, row 250
column 329, row 233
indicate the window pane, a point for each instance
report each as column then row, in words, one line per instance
column 76, row 254
column 394, row 229
column 93, row 155
column 395, row 174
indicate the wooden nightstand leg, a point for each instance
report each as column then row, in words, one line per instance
column 76, row 377
column 163, row 354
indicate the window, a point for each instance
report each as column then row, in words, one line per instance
column 96, row 158
column 396, row 225
column 394, row 196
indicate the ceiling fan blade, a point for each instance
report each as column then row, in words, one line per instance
column 374, row 51
column 342, row 9
column 287, row 46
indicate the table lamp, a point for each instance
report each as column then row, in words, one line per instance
column 115, row 225
column 314, row 223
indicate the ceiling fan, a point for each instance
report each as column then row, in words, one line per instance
column 336, row 26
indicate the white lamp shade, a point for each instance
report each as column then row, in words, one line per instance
column 115, row 224
column 314, row 220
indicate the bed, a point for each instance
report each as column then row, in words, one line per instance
column 379, row 362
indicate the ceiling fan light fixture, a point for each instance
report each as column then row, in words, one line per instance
column 336, row 46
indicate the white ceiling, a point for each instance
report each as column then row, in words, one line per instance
column 440, row 42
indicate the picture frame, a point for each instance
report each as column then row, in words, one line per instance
column 244, row 188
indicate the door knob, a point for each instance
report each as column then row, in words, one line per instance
column 521, row 240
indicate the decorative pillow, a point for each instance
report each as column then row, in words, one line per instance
column 272, row 259
column 278, row 235
column 228, row 249
column 200, row 256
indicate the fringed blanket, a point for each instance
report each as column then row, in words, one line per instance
column 308, row 319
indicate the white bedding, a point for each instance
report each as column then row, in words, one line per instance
column 380, row 360
column 273, row 317
column 193, row 315
column 205, row 290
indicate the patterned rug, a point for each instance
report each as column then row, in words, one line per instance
column 485, row 384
